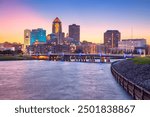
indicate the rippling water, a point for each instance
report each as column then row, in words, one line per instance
column 58, row 80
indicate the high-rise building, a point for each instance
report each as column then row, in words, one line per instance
column 74, row 32
column 27, row 36
column 38, row 35
column 57, row 30
column 57, row 27
column 111, row 38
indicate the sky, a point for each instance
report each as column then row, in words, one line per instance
column 130, row 17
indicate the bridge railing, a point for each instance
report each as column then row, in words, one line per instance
column 133, row 89
column 83, row 54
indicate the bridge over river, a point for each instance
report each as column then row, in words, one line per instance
column 81, row 57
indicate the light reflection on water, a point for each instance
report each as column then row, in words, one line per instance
column 58, row 80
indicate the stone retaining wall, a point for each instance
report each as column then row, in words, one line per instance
column 134, row 90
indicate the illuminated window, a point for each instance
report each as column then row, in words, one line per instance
column 56, row 27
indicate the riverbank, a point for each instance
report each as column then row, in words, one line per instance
column 15, row 57
column 136, row 70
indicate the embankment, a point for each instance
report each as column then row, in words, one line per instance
column 135, row 78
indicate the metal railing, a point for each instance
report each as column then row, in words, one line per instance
column 133, row 89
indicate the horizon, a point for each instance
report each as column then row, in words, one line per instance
column 130, row 18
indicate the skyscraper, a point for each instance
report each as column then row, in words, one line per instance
column 111, row 38
column 27, row 36
column 38, row 35
column 57, row 30
column 74, row 32
column 57, row 27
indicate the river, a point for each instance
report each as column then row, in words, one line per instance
column 48, row 80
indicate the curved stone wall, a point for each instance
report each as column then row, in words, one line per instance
column 134, row 90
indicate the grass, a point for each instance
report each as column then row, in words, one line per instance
column 141, row 60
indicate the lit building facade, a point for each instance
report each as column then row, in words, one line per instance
column 38, row 35
column 11, row 46
column 132, row 45
column 88, row 47
column 111, row 38
column 57, row 30
column 74, row 32
column 52, row 39
column 46, row 48
column 27, row 36
column 57, row 27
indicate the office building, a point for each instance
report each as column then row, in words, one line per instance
column 131, row 45
column 88, row 47
column 111, row 38
column 74, row 32
column 38, row 35
column 57, row 30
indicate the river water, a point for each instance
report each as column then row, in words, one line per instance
column 50, row 80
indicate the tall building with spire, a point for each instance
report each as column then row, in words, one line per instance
column 57, row 27
column 57, row 30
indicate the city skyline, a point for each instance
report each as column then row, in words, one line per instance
column 131, row 18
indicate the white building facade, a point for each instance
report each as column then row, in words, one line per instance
column 132, row 45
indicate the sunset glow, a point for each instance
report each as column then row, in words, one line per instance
column 94, row 17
